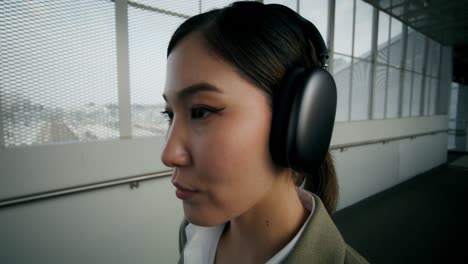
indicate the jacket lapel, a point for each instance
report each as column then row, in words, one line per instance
column 321, row 241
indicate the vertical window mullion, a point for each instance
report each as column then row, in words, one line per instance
column 387, row 68
column 438, row 111
column 423, row 84
column 412, row 73
column 331, row 33
column 404, row 43
column 428, row 74
column 123, row 72
column 350, row 98
column 374, row 51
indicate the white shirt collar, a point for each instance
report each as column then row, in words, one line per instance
column 202, row 241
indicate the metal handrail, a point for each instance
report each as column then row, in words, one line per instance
column 385, row 140
column 134, row 180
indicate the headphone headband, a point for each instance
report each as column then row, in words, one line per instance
column 316, row 38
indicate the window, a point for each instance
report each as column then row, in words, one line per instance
column 393, row 92
column 289, row 3
column 59, row 79
column 60, row 61
column 317, row 12
column 396, row 42
column 416, row 95
column 363, row 30
column 344, row 10
column 361, row 61
column 149, row 33
column 342, row 60
column 342, row 76
column 383, row 37
column 406, row 96
column 360, row 90
column 381, row 67
column 395, row 63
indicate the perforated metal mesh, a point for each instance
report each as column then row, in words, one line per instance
column 149, row 35
column 186, row 7
column 58, row 71
column 150, row 29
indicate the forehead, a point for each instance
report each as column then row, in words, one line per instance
column 192, row 62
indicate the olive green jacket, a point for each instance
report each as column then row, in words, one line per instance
column 321, row 242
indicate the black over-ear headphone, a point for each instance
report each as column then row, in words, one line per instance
column 304, row 109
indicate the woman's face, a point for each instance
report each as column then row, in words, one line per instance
column 217, row 142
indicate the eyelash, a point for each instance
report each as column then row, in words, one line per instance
column 194, row 110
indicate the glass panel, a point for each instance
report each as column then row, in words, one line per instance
column 186, row 7
column 207, row 5
column 416, row 94
column 396, row 43
column 434, row 96
column 343, row 26
column 429, row 59
column 393, row 92
column 289, row 3
column 360, row 90
column 149, row 34
column 379, row 91
column 410, row 49
column 453, row 105
column 317, row 12
column 342, row 76
column 58, row 71
column 435, row 59
column 406, row 97
column 382, row 37
column 363, row 30
column 427, row 94
column 419, row 52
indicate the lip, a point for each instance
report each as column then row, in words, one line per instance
column 184, row 193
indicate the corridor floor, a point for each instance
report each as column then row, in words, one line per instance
column 423, row 220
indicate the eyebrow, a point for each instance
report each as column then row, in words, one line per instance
column 195, row 88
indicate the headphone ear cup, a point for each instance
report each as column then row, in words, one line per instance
column 311, row 120
column 304, row 111
column 283, row 101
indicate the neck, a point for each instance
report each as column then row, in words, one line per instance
column 269, row 225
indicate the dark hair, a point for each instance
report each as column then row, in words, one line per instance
column 263, row 42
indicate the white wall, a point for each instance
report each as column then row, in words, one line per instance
column 124, row 225
column 114, row 225
column 32, row 169
column 366, row 170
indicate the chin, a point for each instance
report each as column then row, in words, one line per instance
column 195, row 217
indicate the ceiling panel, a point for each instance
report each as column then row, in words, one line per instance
column 445, row 21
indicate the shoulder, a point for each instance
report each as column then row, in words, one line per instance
column 352, row 256
column 322, row 242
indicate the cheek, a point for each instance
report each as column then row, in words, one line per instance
column 234, row 165
column 235, row 145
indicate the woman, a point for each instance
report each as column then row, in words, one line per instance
column 224, row 68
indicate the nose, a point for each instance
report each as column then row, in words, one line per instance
column 175, row 152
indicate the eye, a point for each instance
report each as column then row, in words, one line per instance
column 168, row 115
column 201, row 112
